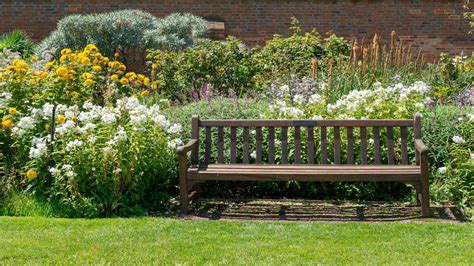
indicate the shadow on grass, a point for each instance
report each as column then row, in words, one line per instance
column 312, row 210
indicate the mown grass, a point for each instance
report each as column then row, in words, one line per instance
column 171, row 241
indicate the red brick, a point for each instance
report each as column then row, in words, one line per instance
column 427, row 23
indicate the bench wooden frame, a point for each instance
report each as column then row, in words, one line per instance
column 417, row 174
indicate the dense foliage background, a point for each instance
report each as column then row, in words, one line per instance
column 84, row 136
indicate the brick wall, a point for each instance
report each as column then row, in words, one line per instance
column 432, row 25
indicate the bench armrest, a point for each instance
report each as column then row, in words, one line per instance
column 186, row 148
column 420, row 146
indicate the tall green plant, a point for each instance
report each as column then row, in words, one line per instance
column 17, row 41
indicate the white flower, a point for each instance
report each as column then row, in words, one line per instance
column 458, row 140
column 442, row 170
column 92, row 139
column 108, row 117
column 299, row 99
column 174, row 129
column 174, row 143
column 88, row 126
column 66, row 167
column 65, row 128
column 371, row 141
column 253, row 155
column 39, row 148
column 117, row 171
column 315, row 98
column 419, row 105
column 73, row 144
column 24, row 124
column 87, row 105
column 131, row 103
column 54, row 171
column 48, row 110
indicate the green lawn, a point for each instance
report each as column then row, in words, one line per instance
column 172, row 241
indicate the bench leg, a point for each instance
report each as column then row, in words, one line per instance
column 425, row 195
column 183, row 186
column 417, row 187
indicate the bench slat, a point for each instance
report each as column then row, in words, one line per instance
column 305, row 173
column 306, row 123
column 337, row 145
column 363, row 145
column 284, row 145
column 258, row 148
column 271, row 145
column 324, row 146
column 220, row 145
column 377, row 145
column 350, row 146
column 403, row 143
column 245, row 151
column 233, row 145
column 310, row 145
column 297, row 145
column 391, row 152
column 207, row 156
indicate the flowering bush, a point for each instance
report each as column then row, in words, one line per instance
column 311, row 100
column 102, row 161
column 69, row 134
column 76, row 77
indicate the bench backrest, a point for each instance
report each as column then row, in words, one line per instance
column 309, row 141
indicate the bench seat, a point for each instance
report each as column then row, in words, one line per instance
column 307, row 150
column 407, row 173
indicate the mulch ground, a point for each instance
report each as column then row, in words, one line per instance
column 314, row 210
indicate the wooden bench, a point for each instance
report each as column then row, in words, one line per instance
column 321, row 164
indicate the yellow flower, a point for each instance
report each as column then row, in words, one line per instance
column 91, row 48
column 140, row 77
column 34, row 59
column 65, row 51
column 60, row 119
column 63, row 58
column 96, row 68
column 49, row 65
column 61, row 71
column 131, row 75
column 154, row 85
column 88, row 82
column 72, row 57
column 144, row 93
column 114, row 77
column 124, row 81
column 75, row 95
column 43, row 74
column 12, row 110
column 31, row 174
column 87, row 76
column 105, row 60
column 146, row 81
column 36, row 96
column 116, row 55
column 85, row 60
column 7, row 123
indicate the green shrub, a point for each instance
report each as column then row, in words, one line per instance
column 448, row 133
column 110, row 32
column 176, row 31
column 225, row 66
column 17, row 42
column 284, row 57
column 126, row 32
column 450, row 77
